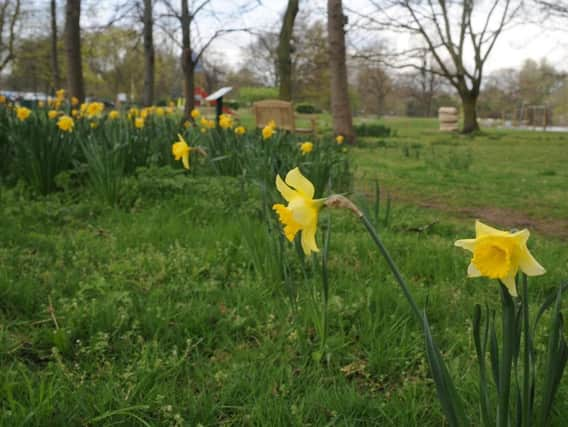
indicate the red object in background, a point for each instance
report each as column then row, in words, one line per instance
column 200, row 95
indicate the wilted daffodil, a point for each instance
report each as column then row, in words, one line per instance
column 306, row 147
column 23, row 113
column 65, row 123
column 302, row 211
column 181, row 150
column 500, row 255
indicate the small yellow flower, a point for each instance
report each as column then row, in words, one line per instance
column 75, row 113
column 272, row 124
column 60, row 94
column 52, row 114
column 113, row 115
column 210, row 124
column 240, row 130
column 23, row 113
column 267, row 132
column 133, row 112
column 302, row 211
column 74, row 101
column 225, row 121
column 204, row 122
column 40, row 104
column 339, row 139
column 160, row 111
column 203, row 130
column 500, row 255
column 139, row 122
column 65, row 123
column 145, row 112
column 94, row 125
column 306, row 147
column 171, row 110
column 181, row 150
column 94, row 109
column 195, row 113
column 187, row 124
column 2, row 99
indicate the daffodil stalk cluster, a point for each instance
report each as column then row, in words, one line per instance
column 523, row 388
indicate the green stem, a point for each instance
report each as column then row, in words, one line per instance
column 527, row 371
column 394, row 269
column 508, row 334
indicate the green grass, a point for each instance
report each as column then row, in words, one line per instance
column 520, row 173
column 161, row 311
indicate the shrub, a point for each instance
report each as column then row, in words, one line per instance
column 372, row 129
column 233, row 105
column 306, row 108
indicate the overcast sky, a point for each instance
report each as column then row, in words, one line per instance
column 513, row 47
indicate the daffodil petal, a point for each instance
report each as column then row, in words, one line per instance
column 295, row 179
column 302, row 213
column 522, row 236
column 185, row 160
column 529, row 265
column 309, row 239
column 509, row 282
column 468, row 244
column 284, row 190
column 472, row 271
column 482, row 229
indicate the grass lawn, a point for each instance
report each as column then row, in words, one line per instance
column 168, row 311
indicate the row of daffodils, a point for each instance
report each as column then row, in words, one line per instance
column 525, row 380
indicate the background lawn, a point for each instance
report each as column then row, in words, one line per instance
column 168, row 310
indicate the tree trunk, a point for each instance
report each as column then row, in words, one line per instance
column 469, row 105
column 55, row 74
column 73, row 49
column 148, row 95
column 284, row 51
column 340, row 108
column 187, row 64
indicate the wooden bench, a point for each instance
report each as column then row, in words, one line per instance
column 282, row 112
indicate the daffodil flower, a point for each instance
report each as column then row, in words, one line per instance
column 302, row 211
column 181, row 150
column 500, row 255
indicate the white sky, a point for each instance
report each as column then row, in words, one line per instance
column 512, row 48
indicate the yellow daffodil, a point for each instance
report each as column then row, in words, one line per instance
column 271, row 124
column 75, row 113
column 113, row 115
column 240, row 130
column 40, row 104
column 204, row 122
column 339, row 139
column 225, row 121
column 94, row 125
column 160, row 111
column 65, row 123
column 195, row 113
column 133, row 112
column 52, row 114
column 302, row 211
column 267, row 132
column 94, row 109
column 23, row 113
column 210, row 124
column 60, row 94
column 74, row 101
column 306, row 147
column 187, row 124
column 181, row 150
column 500, row 255
column 145, row 112
column 139, row 122
column 2, row 99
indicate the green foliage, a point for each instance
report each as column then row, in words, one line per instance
column 305, row 108
column 249, row 95
column 372, row 129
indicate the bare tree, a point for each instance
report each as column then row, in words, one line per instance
column 450, row 32
column 9, row 15
column 553, row 8
column 75, row 81
column 340, row 108
column 56, row 74
column 149, row 55
column 285, row 50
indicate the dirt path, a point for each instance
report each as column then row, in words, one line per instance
column 553, row 227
